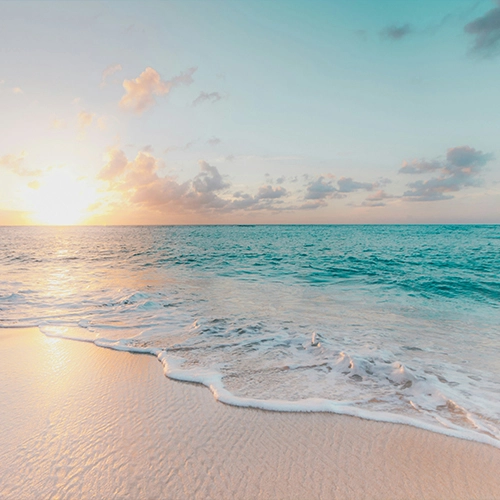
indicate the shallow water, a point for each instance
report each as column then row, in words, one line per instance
column 396, row 323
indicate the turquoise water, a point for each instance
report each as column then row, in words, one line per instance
column 397, row 323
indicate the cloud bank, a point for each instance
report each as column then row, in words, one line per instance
column 139, row 183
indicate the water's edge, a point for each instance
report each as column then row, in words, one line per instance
column 172, row 369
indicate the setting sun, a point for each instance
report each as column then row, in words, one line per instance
column 60, row 199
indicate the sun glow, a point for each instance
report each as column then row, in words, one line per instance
column 60, row 199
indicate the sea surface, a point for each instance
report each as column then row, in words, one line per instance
column 393, row 323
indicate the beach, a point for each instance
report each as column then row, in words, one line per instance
column 81, row 421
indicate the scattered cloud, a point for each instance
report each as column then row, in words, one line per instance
column 281, row 180
column 419, row 167
column 34, row 185
column 210, row 97
column 395, row 32
column 270, row 193
column 461, row 169
column 140, row 93
column 15, row 164
column 348, row 185
column 17, row 90
column 109, row 71
column 377, row 199
column 209, row 179
column 84, row 120
column 486, row 31
column 213, row 141
column 320, row 189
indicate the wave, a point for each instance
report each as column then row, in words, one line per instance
column 396, row 393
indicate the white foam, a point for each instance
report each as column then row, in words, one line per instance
column 175, row 369
column 213, row 380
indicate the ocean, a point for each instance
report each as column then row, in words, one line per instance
column 398, row 323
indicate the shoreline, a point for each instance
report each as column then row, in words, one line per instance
column 172, row 369
column 80, row 421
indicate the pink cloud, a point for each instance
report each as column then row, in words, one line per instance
column 140, row 93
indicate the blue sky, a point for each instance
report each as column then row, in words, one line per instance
column 249, row 112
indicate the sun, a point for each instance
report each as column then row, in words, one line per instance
column 60, row 199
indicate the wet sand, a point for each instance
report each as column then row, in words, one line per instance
column 82, row 422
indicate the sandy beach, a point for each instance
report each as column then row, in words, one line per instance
column 79, row 421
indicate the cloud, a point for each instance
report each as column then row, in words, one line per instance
column 395, row 32
column 213, row 141
column 377, row 199
column 14, row 164
column 140, row 93
column 281, row 180
column 419, row 167
column 110, row 70
column 210, row 97
column 270, row 193
column 17, row 90
column 461, row 169
column 84, row 120
column 486, row 31
column 209, row 179
column 140, row 185
column 348, row 185
column 320, row 189
column 116, row 165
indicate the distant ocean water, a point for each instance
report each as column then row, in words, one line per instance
column 392, row 323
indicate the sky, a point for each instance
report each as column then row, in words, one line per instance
column 249, row 111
